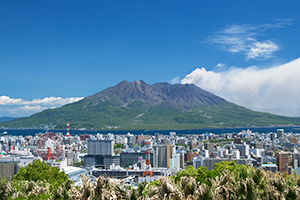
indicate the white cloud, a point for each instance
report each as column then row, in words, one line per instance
column 21, row 107
column 19, row 111
column 245, row 39
column 28, row 108
column 274, row 89
column 48, row 101
column 175, row 80
column 220, row 65
column 262, row 49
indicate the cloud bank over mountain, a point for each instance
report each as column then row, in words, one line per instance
column 20, row 107
column 275, row 90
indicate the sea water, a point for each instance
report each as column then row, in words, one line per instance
column 25, row 132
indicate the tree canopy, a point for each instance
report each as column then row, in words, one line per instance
column 40, row 171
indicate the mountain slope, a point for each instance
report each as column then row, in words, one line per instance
column 137, row 105
column 6, row 119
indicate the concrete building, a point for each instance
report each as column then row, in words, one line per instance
column 296, row 160
column 69, row 156
column 210, row 147
column 8, row 169
column 181, row 160
column 270, row 167
column 130, row 158
column 174, row 164
column 243, row 148
column 282, row 161
column 272, row 136
column 280, row 133
column 192, row 144
column 101, row 147
column 162, row 154
column 100, row 161
column 131, row 139
column 189, row 155
column 60, row 164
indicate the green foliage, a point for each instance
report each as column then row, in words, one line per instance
column 154, row 183
column 190, row 171
column 224, row 140
column 220, row 167
column 231, row 181
column 40, row 171
column 78, row 164
column 121, row 146
column 138, row 115
column 4, row 188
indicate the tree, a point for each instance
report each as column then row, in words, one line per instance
column 190, row 171
column 40, row 171
column 220, row 167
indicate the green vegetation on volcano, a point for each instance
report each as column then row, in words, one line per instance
column 137, row 106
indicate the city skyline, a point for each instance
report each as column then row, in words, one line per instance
column 53, row 52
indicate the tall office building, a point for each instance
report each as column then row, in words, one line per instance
column 101, row 147
column 243, row 148
column 296, row 160
column 100, row 153
column 282, row 161
column 8, row 169
column 210, row 147
column 280, row 133
column 162, row 154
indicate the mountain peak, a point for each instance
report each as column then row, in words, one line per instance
column 137, row 105
column 184, row 95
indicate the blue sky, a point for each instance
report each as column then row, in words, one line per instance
column 55, row 52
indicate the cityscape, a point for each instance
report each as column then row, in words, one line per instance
column 149, row 100
column 133, row 159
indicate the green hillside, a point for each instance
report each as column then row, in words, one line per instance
column 137, row 106
column 142, row 115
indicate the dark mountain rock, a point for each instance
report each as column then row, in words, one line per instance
column 184, row 95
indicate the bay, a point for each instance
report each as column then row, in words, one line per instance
column 25, row 132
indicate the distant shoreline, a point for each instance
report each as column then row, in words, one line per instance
column 24, row 132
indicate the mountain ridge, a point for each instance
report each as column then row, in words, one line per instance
column 137, row 105
column 139, row 90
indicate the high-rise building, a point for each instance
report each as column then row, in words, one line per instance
column 280, row 133
column 282, row 161
column 210, row 147
column 243, row 148
column 192, row 144
column 174, row 163
column 8, row 169
column 131, row 139
column 272, row 136
column 69, row 156
column 296, row 160
column 101, row 147
column 162, row 154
